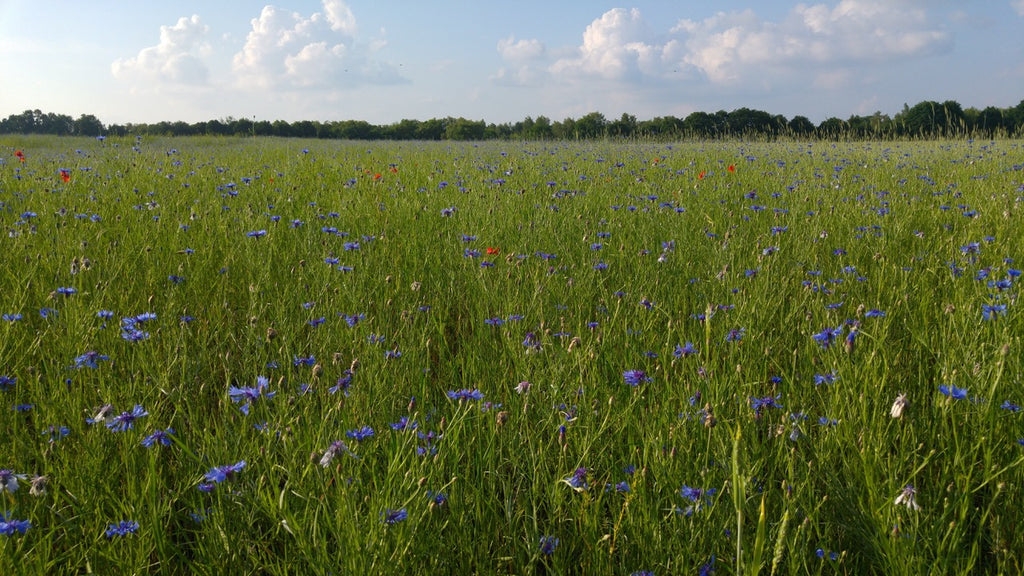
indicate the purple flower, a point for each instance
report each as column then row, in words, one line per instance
column 684, row 351
column 8, row 526
column 635, row 377
column 827, row 336
column 122, row 528
column 465, row 395
column 578, row 480
column 390, row 517
column 125, row 420
column 953, row 392
column 219, row 474
column 360, row 434
column 548, row 545
column 158, row 437
column 250, row 393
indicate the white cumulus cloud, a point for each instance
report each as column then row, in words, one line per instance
column 286, row 50
column 177, row 59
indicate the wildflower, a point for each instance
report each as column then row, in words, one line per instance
column 635, row 377
column 735, row 335
column 8, row 526
column 989, row 312
column 9, row 481
column 820, row 379
column 38, row 487
column 531, row 343
column 906, row 498
column 827, row 336
column 250, row 393
column 7, row 382
column 390, row 517
column 707, row 568
column 898, row 406
column 12, row 317
column 759, row 404
column 437, row 498
column 219, row 474
column 19, row 155
column 158, row 437
column 697, row 496
column 360, row 434
column 333, row 450
column 523, row 387
column 548, row 545
column 465, row 394
column 125, row 420
column 1007, row 405
column 953, row 392
column 578, row 480
column 88, row 360
column 65, row 175
column 343, row 383
column 122, row 528
column 256, row 233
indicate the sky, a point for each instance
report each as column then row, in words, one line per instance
column 386, row 60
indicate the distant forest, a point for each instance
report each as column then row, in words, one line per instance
column 926, row 119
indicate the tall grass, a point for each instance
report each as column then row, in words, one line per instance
column 574, row 358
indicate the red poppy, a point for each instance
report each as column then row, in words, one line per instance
column 731, row 168
column 377, row 176
column 702, row 174
column 394, row 170
column 20, row 155
column 65, row 175
column 492, row 251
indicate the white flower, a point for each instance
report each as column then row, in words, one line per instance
column 898, row 406
column 906, row 497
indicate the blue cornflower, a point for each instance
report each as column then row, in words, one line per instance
column 67, row 290
column 389, row 516
column 89, row 359
column 578, row 480
column 465, row 394
column 635, row 377
column 437, row 498
column 827, row 336
column 874, row 313
column 360, row 434
column 820, row 379
column 9, row 481
column 7, row 382
column 158, row 437
column 685, row 350
column 47, row 312
column 250, row 393
column 300, row 361
column 548, row 545
column 759, row 404
column 1007, row 405
column 219, row 474
column 343, row 383
column 125, row 420
column 954, row 392
column 122, row 528
column 494, row 321
column 989, row 312
column 12, row 317
column 256, row 233
column 445, row 212
column 735, row 335
column 8, row 526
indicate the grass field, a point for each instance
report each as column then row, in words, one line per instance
column 258, row 356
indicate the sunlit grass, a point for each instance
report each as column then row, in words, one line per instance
column 574, row 358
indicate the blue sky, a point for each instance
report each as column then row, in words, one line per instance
column 382, row 61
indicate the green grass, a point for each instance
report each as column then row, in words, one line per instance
column 796, row 238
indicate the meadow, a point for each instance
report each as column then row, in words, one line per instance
column 263, row 356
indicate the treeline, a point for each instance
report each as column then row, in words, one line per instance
column 926, row 119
